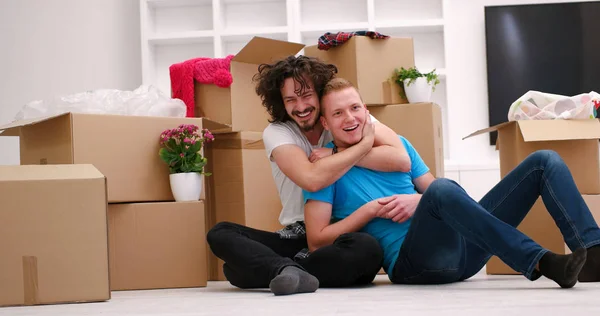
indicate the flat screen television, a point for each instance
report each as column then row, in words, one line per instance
column 552, row 48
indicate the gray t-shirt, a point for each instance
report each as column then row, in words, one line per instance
column 275, row 135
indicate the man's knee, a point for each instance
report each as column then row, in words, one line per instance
column 218, row 232
column 546, row 157
column 441, row 188
column 362, row 246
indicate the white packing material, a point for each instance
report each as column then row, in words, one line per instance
column 143, row 101
column 535, row 105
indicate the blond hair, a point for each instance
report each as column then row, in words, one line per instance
column 337, row 84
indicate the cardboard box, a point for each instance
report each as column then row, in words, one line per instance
column 53, row 241
column 124, row 148
column 421, row 124
column 241, row 188
column 239, row 105
column 540, row 227
column 368, row 63
column 576, row 141
column 593, row 203
column 157, row 245
column 393, row 93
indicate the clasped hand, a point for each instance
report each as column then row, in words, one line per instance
column 398, row 208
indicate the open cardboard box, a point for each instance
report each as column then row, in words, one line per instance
column 238, row 105
column 576, row 141
column 369, row 64
column 123, row 147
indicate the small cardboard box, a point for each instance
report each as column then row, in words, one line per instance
column 53, row 240
column 241, row 188
column 421, row 124
column 576, row 141
column 368, row 63
column 238, row 105
column 124, row 148
column 540, row 227
column 157, row 245
column 393, row 93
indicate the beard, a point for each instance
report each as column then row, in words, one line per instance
column 307, row 126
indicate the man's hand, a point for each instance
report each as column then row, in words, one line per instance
column 399, row 207
column 368, row 130
column 319, row 153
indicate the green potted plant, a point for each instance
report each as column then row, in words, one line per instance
column 181, row 151
column 417, row 86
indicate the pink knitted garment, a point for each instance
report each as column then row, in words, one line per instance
column 204, row 70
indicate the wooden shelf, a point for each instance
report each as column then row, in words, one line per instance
column 182, row 38
column 176, row 3
column 415, row 26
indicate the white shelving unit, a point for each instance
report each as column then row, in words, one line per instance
column 177, row 30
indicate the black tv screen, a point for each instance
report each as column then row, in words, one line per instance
column 553, row 48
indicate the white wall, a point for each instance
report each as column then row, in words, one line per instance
column 57, row 47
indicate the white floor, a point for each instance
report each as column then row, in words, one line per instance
column 482, row 295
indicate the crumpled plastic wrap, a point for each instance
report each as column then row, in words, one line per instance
column 143, row 101
column 535, row 105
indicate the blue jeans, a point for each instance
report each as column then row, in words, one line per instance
column 451, row 236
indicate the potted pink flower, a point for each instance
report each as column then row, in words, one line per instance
column 181, row 151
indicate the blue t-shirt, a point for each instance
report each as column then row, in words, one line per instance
column 360, row 186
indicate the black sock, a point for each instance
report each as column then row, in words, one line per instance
column 293, row 280
column 591, row 269
column 563, row 269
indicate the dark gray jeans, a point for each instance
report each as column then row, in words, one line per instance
column 254, row 257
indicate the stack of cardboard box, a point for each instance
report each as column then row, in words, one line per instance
column 576, row 141
column 241, row 188
column 99, row 201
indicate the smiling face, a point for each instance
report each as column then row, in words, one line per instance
column 302, row 105
column 344, row 115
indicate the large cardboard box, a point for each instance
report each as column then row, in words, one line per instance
column 241, row 188
column 576, row 141
column 124, row 148
column 368, row 63
column 239, row 105
column 157, row 245
column 421, row 124
column 540, row 227
column 53, row 240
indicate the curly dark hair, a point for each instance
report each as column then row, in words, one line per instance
column 270, row 78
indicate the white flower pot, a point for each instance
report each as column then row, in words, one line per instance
column 418, row 91
column 186, row 186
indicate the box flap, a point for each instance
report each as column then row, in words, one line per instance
column 239, row 140
column 265, row 50
column 49, row 172
column 215, row 127
column 489, row 129
column 549, row 130
column 9, row 129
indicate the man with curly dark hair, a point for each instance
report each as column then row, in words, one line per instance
column 290, row 90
